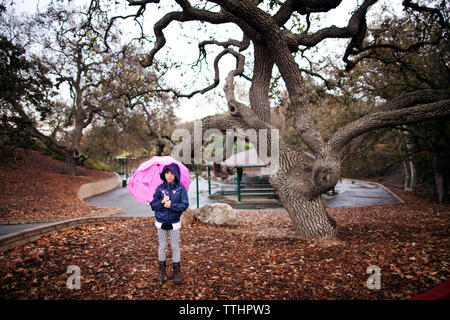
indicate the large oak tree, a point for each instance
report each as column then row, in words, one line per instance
column 268, row 30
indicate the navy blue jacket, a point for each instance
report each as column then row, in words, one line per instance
column 177, row 194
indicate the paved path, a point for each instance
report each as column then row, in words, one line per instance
column 353, row 193
column 349, row 194
column 121, row 198
column 11, row 228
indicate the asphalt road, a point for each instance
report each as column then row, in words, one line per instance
column 358, row 193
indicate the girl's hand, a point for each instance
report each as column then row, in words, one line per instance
column 167, row 204
column 165, row 196
column 165, row 199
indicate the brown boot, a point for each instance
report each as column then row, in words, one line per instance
column 162, row 272
column 176, row 273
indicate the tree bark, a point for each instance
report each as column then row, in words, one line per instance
column 295, row 186
column 310, row 218
column 299, row 180
column 440, row 177
column 262, row 73
column 70, row 165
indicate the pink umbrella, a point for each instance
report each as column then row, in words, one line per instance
column 143, row 183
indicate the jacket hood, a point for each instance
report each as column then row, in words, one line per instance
column 175, row 170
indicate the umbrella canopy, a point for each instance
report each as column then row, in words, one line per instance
column 143, row 183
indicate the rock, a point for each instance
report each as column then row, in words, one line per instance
column 187, row 218
column 217, row 213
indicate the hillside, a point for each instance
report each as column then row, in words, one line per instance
column 33, row 186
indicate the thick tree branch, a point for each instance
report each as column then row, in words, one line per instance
column 303, row 7
column 269, row 30
column 160, row 38
column 405, row 101
column 141, row 2
column 240, row 63
column 242, row 45
column 382, row 119
column 262, row 74
column 414, row 98
column 354, row 29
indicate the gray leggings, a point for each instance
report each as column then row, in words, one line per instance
column 174, row 239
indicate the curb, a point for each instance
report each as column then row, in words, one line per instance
column 94, row 188
column 13, row 240
column 380, row 185
column 17, row 221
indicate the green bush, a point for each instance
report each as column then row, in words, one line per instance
column 96, row 165
column 40, row 146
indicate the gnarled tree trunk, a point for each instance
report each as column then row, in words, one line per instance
column 297, row 192
column 299, row 180
column 262, row 73
column 70, row 165
column 301, row 177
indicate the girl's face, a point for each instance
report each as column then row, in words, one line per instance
column 170, row 177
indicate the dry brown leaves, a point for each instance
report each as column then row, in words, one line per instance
column 261, row 259
column 37, row 188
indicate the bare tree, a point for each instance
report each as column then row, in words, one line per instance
column 407, row 53
column 68, row 43
column 140, row 90
column 265, row 25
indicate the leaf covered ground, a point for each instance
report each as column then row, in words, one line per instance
column 260, row 259
column 34, row 186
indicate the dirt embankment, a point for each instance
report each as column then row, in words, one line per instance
column 34, row 186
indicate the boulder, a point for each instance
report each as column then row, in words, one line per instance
column 187, row 218
column 217, row 213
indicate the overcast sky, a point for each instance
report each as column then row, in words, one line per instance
column 186, row 50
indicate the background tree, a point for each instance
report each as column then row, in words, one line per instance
column 413, row 54
column 141, row 91
column 68, row 44
column 24, row 85
column 141, row 115
column 271, row 30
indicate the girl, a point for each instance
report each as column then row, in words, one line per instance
column 169, row 202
